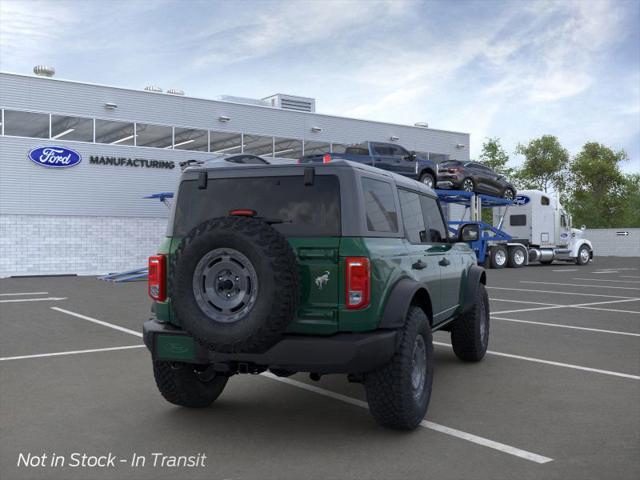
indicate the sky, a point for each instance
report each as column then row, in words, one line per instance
column 509, row 69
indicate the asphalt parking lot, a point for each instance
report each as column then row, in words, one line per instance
column 556, row 397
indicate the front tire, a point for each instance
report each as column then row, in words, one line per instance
column 584, row 255
column 468, row 185
column 428, row 179
column 470, row 332
column 398, row 394
column 509, row 194
column 182, row 384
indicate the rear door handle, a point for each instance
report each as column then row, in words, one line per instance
column 419, row 265
column 444, row 262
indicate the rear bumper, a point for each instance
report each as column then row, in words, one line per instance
column 339, row 353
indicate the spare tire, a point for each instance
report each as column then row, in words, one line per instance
column 234, row 284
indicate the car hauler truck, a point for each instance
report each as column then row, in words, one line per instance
column 538, row 221
column 532, row 228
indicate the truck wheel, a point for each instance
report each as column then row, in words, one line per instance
column 181, row 384
column 470, row 332
column 428, row 180
column 234, row 284
column 583, row 255
column 517, row 257
column 498, row 255
column 398, row 394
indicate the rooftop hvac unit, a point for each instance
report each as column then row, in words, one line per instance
column 175, row 91
column 153, row 88
column 245, row 100
column 291, row 102
column 44, row 71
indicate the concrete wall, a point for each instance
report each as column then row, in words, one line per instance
column 607, row 242
column 83, row 245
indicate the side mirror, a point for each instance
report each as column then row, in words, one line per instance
column 411, row 157
column 469, row 232
column 583, row 228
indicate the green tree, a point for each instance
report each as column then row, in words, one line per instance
column 495, row 157
column 545, row 164
column 599, row 194
column 630, row 216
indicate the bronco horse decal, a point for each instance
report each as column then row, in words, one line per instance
column 322, row 280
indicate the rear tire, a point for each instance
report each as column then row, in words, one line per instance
column 181, row 384
column 398, row 394
column 517, row 257
column 468, row 185
column 509, row 194
column 428, row 180
column 499, row 256
column 470, row 332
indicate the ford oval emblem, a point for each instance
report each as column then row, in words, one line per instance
column 55, row 157
column 521, row 200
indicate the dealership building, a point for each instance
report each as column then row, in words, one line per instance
column 77, row 160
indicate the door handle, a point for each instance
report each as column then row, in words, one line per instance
column 419, row 265
column 444, row 262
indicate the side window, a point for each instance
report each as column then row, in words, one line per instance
column 436, row 230
column 518, row 220
column 379, row 205
column 544, row 201
column 381, row 149
column 412, row 216
column 398, row 151
column 563, row 220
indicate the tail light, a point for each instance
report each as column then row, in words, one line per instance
column 358, row 283
column 453, row 170
column 157, row 278
column 242, row 212
column 326, row 158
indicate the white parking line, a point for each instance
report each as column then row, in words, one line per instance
column 606, row 280
column 611, row 310
column 629, row 276
column 559, row 293
column 533, row 457
column 576, row 305
column 608, row 271
column 557, row 364
column 598, row 330
column 566, row 270
column 580, row 285
column 23, row 293
column 522, row 301
column 72, row 352
column 99, row 322
column 19, row 300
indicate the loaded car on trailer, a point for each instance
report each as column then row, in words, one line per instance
column 336, row 268
column 387, row 156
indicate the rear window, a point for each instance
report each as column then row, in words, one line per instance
column 450, row 163
column 306, row 210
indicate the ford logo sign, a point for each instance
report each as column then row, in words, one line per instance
column 55, row 157
column 521, row 200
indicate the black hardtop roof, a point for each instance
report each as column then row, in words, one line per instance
column 244, row 171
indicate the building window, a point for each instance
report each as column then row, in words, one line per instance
column 114, row 133
column 157, row 136
column 258, row 145
column 191, row 139
column 26, row 124
column 316, row 148
column 438, row 157
column 71, row 128
column 287, row 148
column 225, row 143
column 380, row 207
column 338, row 148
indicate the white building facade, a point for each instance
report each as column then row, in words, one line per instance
column 77, row 159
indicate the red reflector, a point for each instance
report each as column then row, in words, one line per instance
column 242, row 213
column 453, row 170
column 326, row 158
column 157, row 278
column 358, row 285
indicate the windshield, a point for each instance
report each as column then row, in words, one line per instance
column 304, row 210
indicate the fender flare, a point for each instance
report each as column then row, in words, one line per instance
column 475, row 275
column 430, row 171
column 399, row 301
column 580, row 243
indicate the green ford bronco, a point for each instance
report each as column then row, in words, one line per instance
column 332, row 268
